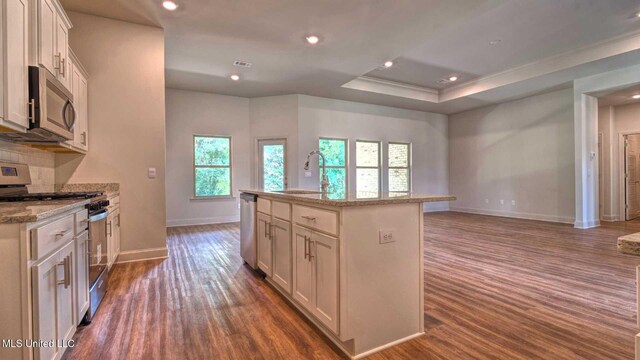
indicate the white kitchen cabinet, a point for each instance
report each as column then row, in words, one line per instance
column 265, row 246
column 79, row 89
column 53, row 40
column 53, row 301
column 15, row 65
column 82, row 274
column 116, row 235
column 281, row 245
column 302, row 272
column 111, row 250
column 323, row 251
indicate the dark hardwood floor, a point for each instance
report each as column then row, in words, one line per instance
column 495, row 288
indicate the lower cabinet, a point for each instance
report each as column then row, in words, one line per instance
column 281, row 239
column 53, row 300
column 82, row 274
column 315, row 275
column 113, row 237
column 265, row 246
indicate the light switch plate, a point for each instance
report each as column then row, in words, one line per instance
column 151, row 173
column 307, row 174
column 387, row 236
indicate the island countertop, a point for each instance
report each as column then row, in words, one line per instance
column 355, row 199
column 32, row 211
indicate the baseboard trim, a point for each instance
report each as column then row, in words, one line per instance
column 203, row 221
column 142, row 255
column 517, row 215
column 610, row 218
column 586, row 224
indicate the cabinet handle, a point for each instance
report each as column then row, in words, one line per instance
column 66, row 270
column 310, row 243
column 118, row 223
column 61, row 234
column 58, row 57
column 63, row 66
column 68, row 277
column 84, row 138
column 310, row 218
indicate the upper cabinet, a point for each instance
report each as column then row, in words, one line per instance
column 14, row 103
column 79, row 89
column 53, row 40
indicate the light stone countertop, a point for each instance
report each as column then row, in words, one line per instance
column 629, row 244
column 32, row 211
column 88, row 187
column 359, row 199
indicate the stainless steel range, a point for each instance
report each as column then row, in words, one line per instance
column 14, row 179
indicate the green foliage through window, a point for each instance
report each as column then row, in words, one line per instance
column 273, row 167
column 212, row 166
column 335, row 152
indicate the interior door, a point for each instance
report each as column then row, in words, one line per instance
column 632, row 177
column 265, row 247
column 282, row 254
column 272, row 164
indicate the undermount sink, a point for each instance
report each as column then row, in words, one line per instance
column 299, row 192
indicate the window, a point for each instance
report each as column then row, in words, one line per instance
column 335, row 152
column 212, row 166
column 399, row 158
column 367, row 166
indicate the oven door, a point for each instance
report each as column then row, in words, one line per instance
column 56, row 114
column 98, row 245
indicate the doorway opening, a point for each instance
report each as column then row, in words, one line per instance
column 272, row 164
column 632, row 176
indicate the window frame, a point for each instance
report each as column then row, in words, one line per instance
column 346, row 161
column 379, row 167
column 230, row 166
column 408, row 167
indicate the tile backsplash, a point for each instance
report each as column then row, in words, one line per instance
column 41, row 164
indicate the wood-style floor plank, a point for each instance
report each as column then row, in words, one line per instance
column 495, row 288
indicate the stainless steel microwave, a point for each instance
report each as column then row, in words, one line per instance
column 52, row 115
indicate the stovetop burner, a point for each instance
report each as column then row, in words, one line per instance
column 49, row 196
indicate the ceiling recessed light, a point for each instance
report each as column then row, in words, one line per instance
column 312, row 39
column 388, row 64
column 169, row 5
column 495, row 42
column 453, row 78
column 235, row 77
column 636, row 96
column 638, row 14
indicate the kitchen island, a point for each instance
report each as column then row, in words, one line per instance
column 352, row 265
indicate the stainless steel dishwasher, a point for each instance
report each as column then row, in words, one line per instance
column 248, row 246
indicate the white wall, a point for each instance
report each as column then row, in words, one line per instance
column 521, row 150
column 275, row 117
column 190, row 113
column 621, row 120
column 427, row 132
column 126, row 125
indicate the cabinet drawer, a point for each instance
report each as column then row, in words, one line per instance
column 82, row 221
column 50, row 237
column 114, row 203
column 323, row 220
column 264, row 206
column 281, row 210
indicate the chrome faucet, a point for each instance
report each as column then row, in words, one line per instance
column 324, row 184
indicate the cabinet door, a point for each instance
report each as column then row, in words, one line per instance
column 324, row 254
column 116, row 236
column 282, row 254
column 47, row 20
column 16, row 62
column 110, row 247
column 53, row 301
column 62, row 51
column 82, row 275
column 302, row 268
column 265, row 248
column 66, row 295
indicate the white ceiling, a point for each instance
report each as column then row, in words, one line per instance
column 429, row 39
column 620, row 97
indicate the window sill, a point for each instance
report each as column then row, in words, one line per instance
column 230, row 197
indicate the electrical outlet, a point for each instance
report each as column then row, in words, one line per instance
column 386, row 236
column 151, row 173
column 501, row 202
column 307, row 174
column 513, row 202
